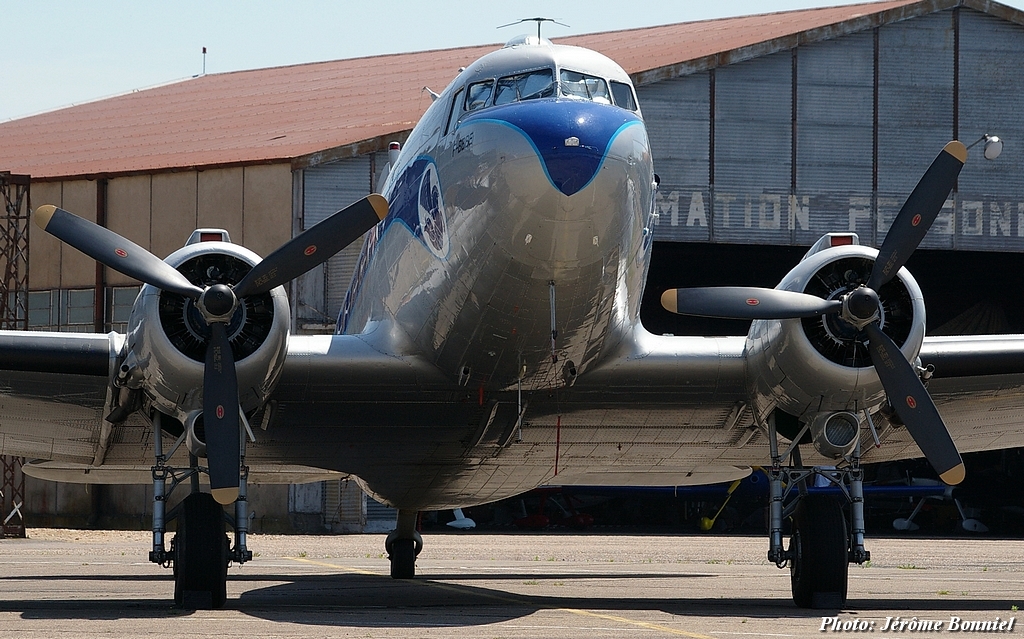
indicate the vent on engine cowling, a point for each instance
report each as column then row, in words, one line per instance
column 839, row 341
column 188, row 331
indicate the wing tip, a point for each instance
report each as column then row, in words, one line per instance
column 43, row 214
column 954, row 475
column 957, row 149
column 379, row 204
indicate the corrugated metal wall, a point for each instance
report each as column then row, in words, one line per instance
column 677, row 116
column 835, row 114
column 833, row 136
column 327, row 189
column 991, row 101
column 752, row 173
column 915, row 111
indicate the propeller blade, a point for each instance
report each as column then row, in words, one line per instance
column 745, row 302
column 110, row 249
column 220, row 416
column 314, row 246
column 914, row 406
column 918, row 213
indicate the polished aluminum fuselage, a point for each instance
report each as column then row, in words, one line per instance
column 511, row 260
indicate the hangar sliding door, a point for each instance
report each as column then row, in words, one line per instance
column 326, row 189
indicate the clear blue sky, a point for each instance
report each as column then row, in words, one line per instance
column 60, row 52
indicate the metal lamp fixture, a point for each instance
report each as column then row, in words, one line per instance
column 993, row 145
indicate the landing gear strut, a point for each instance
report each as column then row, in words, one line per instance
column 200, row 551
column 403, row 545
column 820, row 549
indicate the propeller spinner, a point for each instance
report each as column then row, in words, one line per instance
column 861, row 309
column 217, row 305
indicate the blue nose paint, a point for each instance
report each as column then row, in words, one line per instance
column 571, row 137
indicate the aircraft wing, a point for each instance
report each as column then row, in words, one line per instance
column 978, row 387
column 689, row 409
column 55, row 393
column 53, row 388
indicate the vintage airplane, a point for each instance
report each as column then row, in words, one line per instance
column 491, row 343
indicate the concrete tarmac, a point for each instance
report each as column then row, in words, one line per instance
column 68, row 583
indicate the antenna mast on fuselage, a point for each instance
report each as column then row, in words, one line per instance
column 539, row 21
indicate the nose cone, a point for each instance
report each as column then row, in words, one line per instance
column 571, row 137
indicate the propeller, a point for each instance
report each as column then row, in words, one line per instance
column 217, row 304
column 110, row 249
column 745, row 302
column 861, row 308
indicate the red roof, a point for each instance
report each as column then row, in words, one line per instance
column 310, row 113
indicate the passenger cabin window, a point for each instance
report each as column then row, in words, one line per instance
column 478, row 95
column 623, row 95
column 584, row 86
column 455, row 113
column 525, row 86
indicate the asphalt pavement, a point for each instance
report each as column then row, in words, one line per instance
column 73, row 583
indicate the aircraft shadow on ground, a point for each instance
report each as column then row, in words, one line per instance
column 377, row 601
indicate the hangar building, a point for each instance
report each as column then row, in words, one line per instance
column 767, row 131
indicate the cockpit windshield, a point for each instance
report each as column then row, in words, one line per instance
column 532, row 85
column 579, row 85
column 478, row 95
column 525, row 86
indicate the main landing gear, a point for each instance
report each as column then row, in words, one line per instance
column 403, row 545
column 821, row 547
column 200, row 551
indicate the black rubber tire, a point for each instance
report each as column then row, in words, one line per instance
column 403, row 559
column 820, row 553
column 200, row 554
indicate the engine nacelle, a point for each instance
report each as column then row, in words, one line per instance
column 820, row 364
column 169, row 330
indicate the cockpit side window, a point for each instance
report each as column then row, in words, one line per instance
column 623, row 95
column 455, row 113
column 589, row 87
column 478, row 95
column 525, row 86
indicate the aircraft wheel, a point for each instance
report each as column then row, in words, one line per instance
column 820, row 553
column 403, row 559
column 200, row 550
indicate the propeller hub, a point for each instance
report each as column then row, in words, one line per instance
column 861, row 306
column 217, row 303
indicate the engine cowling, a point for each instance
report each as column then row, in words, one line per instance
column 821, row 364
column 168, row 337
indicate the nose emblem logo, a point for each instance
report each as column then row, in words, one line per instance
column 753, row 301
column 310, row 250
column 573, row 141
column 121, row 252
column 433, row 227
column 220, row 412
